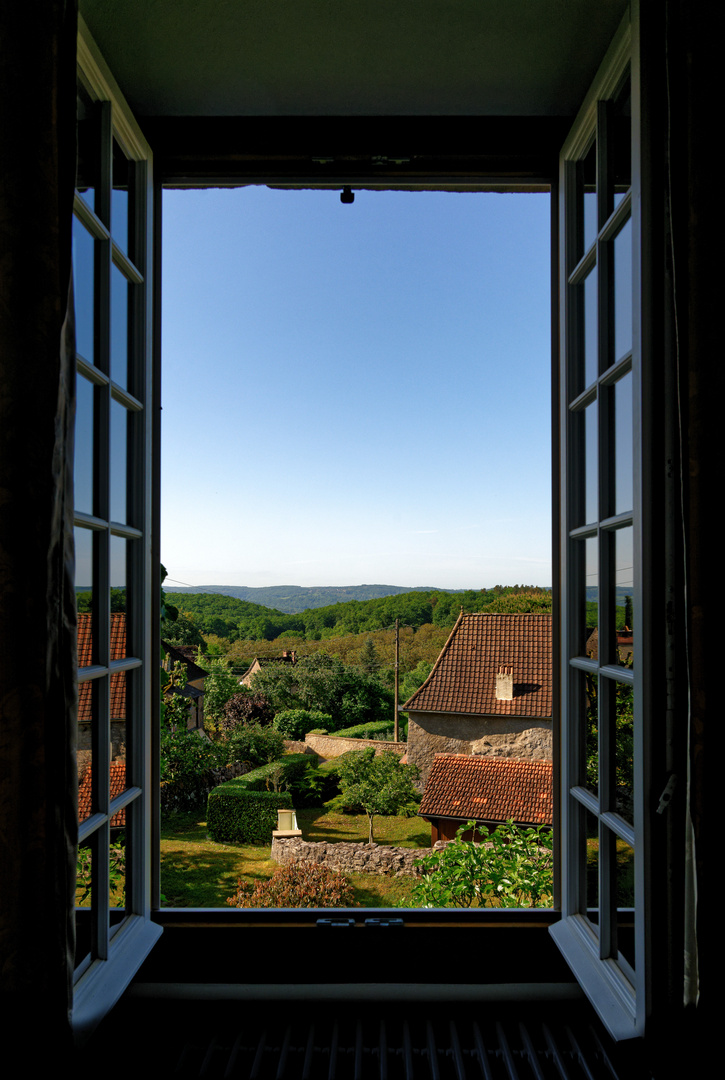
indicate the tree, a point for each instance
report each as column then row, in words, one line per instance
column 246, row 707
column 378, row 783
column 369, row 661
column 220, row 685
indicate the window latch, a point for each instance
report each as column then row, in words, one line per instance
column 384, row 924
column 667, row 794
column 335, row 923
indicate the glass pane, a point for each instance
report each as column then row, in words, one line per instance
column 622, row 650
column 88, row 148
column 591, row 867
column 120, row 199
column 624, row 752
column 623, row 442
column 586, row 706
column 119, row 327
column 84, row 592
column 591, row 465
column 118, row 549
column 624, row 892
column 83, row 462
column 587, row 200
column 620, row 142
column 622, row 251
column 591, row 324
column 83, row 289
column 119, row 460
column 591, row 593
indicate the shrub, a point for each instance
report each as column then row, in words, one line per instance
column 296, row 885
column 187, row 758
column 284, row 771
column 376, row 729
column 253, row 743
column 512, row 867
column 296, row 723
column 237, row 815
column 246, row 707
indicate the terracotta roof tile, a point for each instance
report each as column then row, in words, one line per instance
column 118, row 784
column 85, row 658
column 464, row 677
column 489, row 789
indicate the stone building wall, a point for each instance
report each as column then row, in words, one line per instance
column 498, row 736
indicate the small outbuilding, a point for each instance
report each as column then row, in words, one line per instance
column 488, row 790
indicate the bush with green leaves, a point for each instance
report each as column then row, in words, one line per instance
column 253, row 743
column 511, row 866
column 237, row 815
column 296, row 723
column 297, row 885
column 220, row 685
column 279, row 774
column 187, row 758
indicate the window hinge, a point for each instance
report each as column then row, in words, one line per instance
column 667, row 794
column 335, row 923
column 393, row 924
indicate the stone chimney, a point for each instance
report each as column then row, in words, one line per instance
column 505, row 683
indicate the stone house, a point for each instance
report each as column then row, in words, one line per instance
column 194, row 686
column 488, row 790
column 488, row 693
column 260, row 662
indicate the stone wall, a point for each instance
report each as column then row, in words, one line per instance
column 498, row 736
column 330, row 746
column 348, row 857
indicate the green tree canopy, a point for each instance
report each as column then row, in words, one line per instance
column 378, row 783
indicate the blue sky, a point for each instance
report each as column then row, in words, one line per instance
column 356, row 393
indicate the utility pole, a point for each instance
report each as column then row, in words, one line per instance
column 397, row 675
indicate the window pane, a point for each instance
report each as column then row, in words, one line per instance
column 119, row 327
column 122, row 175
column 623, row 445
column 88, row 148
column 84, row 590
column 83, row 462
column 591, row 465
column 625, row 900
column 621, row 651
column 83, row 289
column 624, row 752
column 622, row 250
column 587, row 200
column 620, row 142
column 119, row 460
column 591, row 324
column 118, row 574
column 589, row 705
column 591, row 867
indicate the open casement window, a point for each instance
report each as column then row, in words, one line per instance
column 603, row 854
column 111, row 265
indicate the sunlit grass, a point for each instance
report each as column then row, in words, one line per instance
column 199, row 872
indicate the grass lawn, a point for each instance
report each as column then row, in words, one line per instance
column 198, row 872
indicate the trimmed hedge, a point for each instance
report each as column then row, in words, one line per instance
column 236, row 814
column 292, row 765
column 375, row 729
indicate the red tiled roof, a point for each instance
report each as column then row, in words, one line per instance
column 489, row 789
column 464, row 677
column 118, row 784
column 85, row 658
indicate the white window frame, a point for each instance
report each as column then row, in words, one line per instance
column 618, row 991
column 119, row 944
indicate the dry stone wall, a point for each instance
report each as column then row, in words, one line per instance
column 348, row 857
column 330, row 746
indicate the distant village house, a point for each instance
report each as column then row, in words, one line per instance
column 489, row 693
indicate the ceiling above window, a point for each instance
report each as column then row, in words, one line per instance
column 345, row 58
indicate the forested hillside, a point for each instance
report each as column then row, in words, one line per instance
column 236, row 620
column 294, row 598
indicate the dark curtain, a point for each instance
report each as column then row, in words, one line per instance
column 37, row 607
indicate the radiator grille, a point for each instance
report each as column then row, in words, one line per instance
column 401, row 1049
